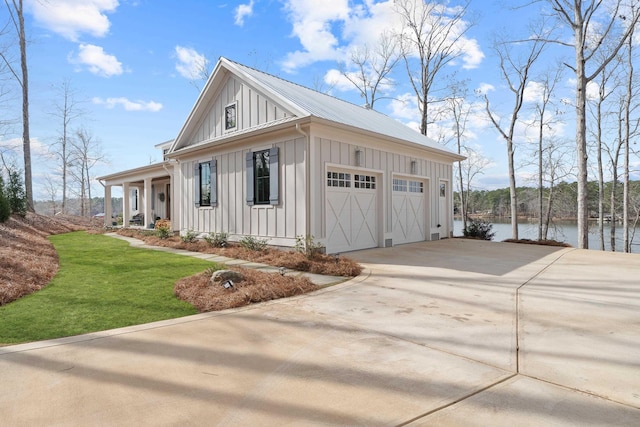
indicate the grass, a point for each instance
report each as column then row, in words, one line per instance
column 103, row 283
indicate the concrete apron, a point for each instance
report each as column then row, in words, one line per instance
column 430, row 337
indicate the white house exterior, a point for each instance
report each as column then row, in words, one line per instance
column 261, row 156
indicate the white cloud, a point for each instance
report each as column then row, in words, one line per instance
column 243, row 11
column 70, row 18
column 97, row 61
column 191, row 64
column 312, row 21
column 533, row 92
column 337, row 80
column 485, row 88
column 128, row 105
column 330, row 29
column 405, row 107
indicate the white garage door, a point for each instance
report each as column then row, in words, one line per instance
column 409, row 211
column 351, row 211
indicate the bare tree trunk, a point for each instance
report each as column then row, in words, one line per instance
column 540, row 187
column 581, row 16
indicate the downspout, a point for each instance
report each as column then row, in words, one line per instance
column 307, row 173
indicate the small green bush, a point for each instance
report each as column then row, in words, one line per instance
column 189, row 236
column 253, row 243
column 478, row 229
column 163, row 232
column 217, row 240
column 306, row 246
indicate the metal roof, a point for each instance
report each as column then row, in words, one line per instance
column 327, row 107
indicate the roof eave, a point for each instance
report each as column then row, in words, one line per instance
column 441, row 152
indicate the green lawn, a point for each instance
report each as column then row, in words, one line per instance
column 103, row 283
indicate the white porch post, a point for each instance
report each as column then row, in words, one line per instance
column 107, row 206
column 126, row 209
column 176, row 188
column 147, row 203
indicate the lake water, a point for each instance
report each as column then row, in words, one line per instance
column 563, row 231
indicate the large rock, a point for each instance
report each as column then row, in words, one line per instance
column 221, row 276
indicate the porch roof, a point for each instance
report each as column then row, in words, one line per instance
column 155, row 170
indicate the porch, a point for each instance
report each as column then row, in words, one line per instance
column 146, row 194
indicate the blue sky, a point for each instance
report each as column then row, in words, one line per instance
column 131, row 63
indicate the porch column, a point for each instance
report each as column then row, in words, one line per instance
column 126, row 208
column 146, row 199
column 107, row 206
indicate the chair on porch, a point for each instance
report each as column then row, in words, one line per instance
column 137, row 219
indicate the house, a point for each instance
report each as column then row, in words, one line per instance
column 260, row 156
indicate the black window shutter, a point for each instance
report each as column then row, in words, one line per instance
column 196, row 184
column 214, row 182
column 250, row 183
column 274, row 174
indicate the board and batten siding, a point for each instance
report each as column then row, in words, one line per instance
column 328, row 151
column 279, row 223
column 253, row 109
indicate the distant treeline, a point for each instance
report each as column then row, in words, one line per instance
column 74, row 206
column 563, row 200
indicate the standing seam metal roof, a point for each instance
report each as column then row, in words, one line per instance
column 327, row 107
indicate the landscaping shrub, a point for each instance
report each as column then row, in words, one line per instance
column 163, row 232
column 253, row 243
column 217, row 240
column 189, row 236
column 478, row 229
column 306, row 246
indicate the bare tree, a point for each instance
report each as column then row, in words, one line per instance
column 66, row 109
column 432, row 33
column 87, row 152
column 630, row 130
column 606, row 86
column 51, row 190
column 591, row 27
column 548, row 83
column 556, row 168
column 372, row 67
column 516, row 74
column 16, row 20
column 459, row 110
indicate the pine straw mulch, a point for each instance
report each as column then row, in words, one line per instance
column 539, row 242
column 255, row 287
column 319, row 264
column 28, row 260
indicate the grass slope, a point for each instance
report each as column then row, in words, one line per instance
column 103, row 283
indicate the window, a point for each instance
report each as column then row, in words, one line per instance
column 365, row 181
column 262, row 169
column 338, row 179
column 230, row 117
column 205, row 183
column 399, row 184
column 416, row 187
column 443, row 189
column 261, row 176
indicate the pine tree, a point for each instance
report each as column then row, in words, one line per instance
column 16, row 194
column 5, row 209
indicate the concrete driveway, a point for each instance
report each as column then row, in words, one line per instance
column 453, row 332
